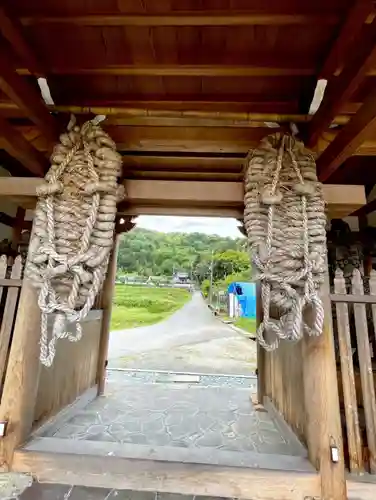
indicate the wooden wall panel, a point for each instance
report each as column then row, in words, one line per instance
column 284, row 384
column 73, row 372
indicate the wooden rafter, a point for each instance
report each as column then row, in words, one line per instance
column 26, row 97
column 341, row 88
column 358, row 14
column 18, row 147
column 11, row 29
column 349, row 139
column 185, row 18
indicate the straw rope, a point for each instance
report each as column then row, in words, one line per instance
column 73, row 230
column 285, row 222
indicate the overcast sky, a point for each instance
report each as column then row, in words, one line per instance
column 173, row 224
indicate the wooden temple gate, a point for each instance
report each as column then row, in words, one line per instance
column 188, row 89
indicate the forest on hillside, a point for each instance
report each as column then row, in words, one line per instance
column 151, row 253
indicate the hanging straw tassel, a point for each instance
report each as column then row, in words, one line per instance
column 74, row 225
column 285, row 222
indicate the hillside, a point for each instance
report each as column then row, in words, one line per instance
column 151, row 253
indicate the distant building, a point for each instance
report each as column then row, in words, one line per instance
column 181, row 278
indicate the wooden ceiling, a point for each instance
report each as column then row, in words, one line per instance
column 190, row 86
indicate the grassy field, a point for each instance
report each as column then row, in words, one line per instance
column 140, row 306
column 247, row 324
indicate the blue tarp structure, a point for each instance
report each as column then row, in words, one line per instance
column 246, row 295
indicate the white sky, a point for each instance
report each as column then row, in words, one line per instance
column 174, row 224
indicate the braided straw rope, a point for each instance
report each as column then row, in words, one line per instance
column 285, row 222
column 73, row 230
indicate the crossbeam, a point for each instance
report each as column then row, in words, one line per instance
column 186, row 195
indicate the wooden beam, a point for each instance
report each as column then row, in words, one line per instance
column 187, row 211
column 347, row 142
column 165, row 70
column 26, row 97
column 357, row 16
column 18, row 147
column 341, row 88
column 340, row 199
column 6, row 219
column 189, row 18
column 200, row 70
column 11, row 29
column 107, row 295
column 366, row 209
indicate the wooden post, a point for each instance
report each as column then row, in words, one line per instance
column 260, row 351
column 323, row 423
column 22, row 377
column 107, row 298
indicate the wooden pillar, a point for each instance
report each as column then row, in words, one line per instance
column 260, row 350
column 107, row 298
column 22, row 376
column 323, row 423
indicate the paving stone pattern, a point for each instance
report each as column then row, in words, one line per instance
column 177, row 415
column 61, row 492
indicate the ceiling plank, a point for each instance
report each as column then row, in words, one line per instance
column 201, row 70
column 184, row 18
column 26, row 97
column 18, row 147
column 356, row 17
column 11, row 29
column 349, row 139
column 340, row 88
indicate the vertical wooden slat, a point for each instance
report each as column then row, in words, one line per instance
column 107, row 298
column 323, row 422
column 372, row 291
column 365, row 366
column 3, row 272
column 348, row 379
column 8, row 316
column 22, row 376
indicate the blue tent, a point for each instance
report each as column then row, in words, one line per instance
column 246, row 295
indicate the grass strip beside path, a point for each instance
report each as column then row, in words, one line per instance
column 247, row 324
column 141, row 306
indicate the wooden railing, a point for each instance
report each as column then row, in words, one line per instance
column 356, row 380
column 10, row 285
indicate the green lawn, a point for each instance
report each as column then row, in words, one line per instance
column 140, row 306
column 247, row 324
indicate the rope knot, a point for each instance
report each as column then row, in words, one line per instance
column 48, row 189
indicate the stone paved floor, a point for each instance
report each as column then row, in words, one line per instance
column 60, row 492
column 177, row 415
